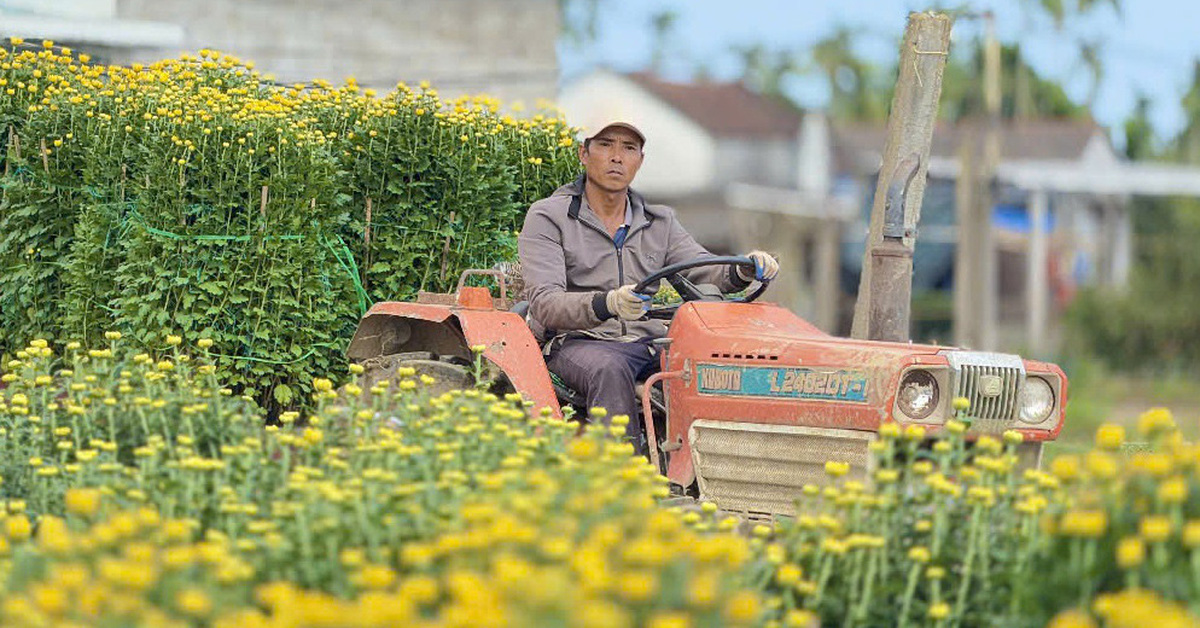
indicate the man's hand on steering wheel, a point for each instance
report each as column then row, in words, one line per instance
column 765, row 267
column 689, row 292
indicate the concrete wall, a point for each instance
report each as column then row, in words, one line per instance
column 679, row 154
column 762, row 162
column 505, row 48
column 87, row 9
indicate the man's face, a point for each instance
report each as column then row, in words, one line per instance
column 612, row 158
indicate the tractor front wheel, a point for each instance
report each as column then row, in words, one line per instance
column 448, row 372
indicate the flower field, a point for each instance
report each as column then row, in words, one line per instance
column 139, row 491
column 195, row 194
column 191, row 245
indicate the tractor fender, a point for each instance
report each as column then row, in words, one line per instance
column 509, row 344
column 397, row 327
column 394, row 327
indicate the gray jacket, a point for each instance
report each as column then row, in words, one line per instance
column 569, row 263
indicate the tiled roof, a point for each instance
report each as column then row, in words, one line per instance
column 1021, row 140
column 725, row 109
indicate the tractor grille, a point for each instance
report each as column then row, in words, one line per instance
column 760, row 469
column 992, row 383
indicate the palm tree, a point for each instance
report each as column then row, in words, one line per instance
column 663, row 26
column 1089, row 56
column 1139, row 134
column 1060, row 11
column 1187, row 144
column 765, row 70
column 852, row 93
column 578, row 19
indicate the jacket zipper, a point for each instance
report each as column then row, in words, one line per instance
column 620, row 256
column 621, row 275
column 621, row 259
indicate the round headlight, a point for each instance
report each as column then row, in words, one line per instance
column 1037, row 400
column 918, row 394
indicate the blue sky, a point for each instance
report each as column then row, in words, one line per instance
column 1149, row 48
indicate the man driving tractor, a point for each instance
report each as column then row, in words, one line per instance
column 584, row 248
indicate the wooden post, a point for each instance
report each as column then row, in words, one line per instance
column 975, row 260
column 966, row 292
column 1122, row 249
column 786, row 241
column 1036, row 285
column 884, row 298
column 989, row 268
column 45, row 158
column 828, row 266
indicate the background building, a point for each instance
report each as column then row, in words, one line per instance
column 505, row 48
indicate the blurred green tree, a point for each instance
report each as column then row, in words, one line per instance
column 663, row 26
column 1154, row 322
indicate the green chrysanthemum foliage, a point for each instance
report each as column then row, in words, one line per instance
column 192, row 196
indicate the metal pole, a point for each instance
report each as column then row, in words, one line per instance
column 884, row 290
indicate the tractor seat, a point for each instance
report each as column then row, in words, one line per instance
column 569, row 396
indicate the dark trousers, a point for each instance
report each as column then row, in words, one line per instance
column 604, row 371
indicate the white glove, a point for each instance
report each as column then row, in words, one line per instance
column 627, row 304
column 765, row 267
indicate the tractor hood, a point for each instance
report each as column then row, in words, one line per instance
column 746, row 378
column 770, row 331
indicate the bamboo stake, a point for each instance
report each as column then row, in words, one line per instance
column 8, row 149
column 446, row 252
column 367, row 231
column 367, row 245
column 262, row 210
column 7, row 162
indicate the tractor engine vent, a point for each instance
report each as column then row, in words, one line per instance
column 745, row 356
column 761, row 468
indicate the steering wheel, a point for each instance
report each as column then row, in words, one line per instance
column 688, row 290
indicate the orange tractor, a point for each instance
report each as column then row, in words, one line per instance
column 751, row 400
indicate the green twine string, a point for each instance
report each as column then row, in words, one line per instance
column 308, row 354
column 336, row 246
column 340, row 251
